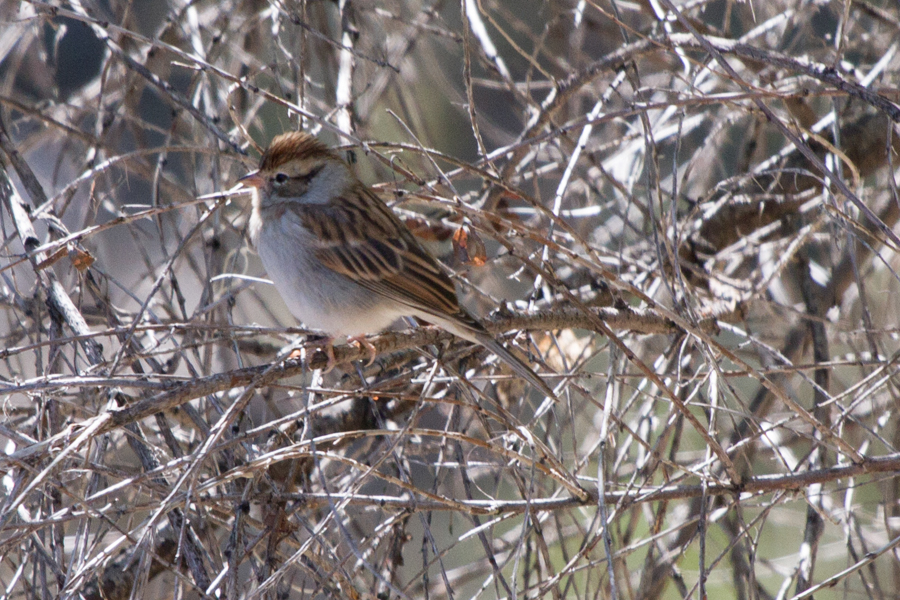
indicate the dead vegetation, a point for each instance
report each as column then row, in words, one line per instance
column 683, row 214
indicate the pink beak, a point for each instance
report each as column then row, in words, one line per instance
column 252, row 179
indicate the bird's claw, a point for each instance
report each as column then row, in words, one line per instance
column 364, row 344
column 326, row 346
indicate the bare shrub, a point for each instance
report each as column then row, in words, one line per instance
column 684, row 216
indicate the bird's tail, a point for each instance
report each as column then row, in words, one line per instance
column 517, row 364
column 466, row 327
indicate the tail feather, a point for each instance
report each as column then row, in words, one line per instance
column 466, row 327
column 523, row 370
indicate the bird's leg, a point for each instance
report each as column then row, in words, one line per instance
column 325, row 343
column 364, row 344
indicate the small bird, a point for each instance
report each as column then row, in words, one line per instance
column 344, row 263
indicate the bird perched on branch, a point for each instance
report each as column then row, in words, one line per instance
column 344, row 263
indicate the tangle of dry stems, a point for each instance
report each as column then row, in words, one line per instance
column 685, row 213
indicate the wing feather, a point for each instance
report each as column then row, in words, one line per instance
column 358, row 236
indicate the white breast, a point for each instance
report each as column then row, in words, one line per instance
column 317, row 296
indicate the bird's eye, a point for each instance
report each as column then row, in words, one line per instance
column 281, row 177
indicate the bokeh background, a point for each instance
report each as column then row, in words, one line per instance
column 682, row 213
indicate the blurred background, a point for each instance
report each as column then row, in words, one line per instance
column 683, row 214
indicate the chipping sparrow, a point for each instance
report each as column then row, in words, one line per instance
column 341, row 259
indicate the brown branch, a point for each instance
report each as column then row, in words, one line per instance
column 57, row 298
column 762, row 484
column 388, row 342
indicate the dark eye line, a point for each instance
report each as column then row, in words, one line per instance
column 308, row 177
column 283, row 177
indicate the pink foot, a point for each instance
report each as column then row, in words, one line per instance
column 326, row 345
column 364, row 344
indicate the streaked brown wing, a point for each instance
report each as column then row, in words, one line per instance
column 361, row 238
